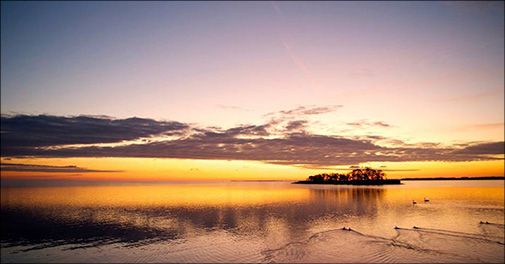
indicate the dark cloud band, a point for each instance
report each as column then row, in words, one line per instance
column 46, row 168
column 28, row 135
column 46, row 130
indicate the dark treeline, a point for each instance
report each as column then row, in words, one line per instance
column 455, row 178
column 366, row 174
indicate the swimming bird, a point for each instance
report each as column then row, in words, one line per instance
column 414, row 202
column 426, row 199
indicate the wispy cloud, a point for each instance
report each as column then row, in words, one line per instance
column 364, row 123
column 285, row 38
column 47, row 168
column 306, row 110
column 297, row 61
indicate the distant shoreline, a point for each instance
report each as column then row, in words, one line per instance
column 405, row 179
column 455, row 178
column 261, row 180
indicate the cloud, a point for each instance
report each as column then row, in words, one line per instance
column 491, row 148
column 383, row 168
column 46, row 168
column 294, row 120
column 248, row 130
column 291, row 146
column 293, row 149
column 296, row 126
column 382, row 124
column 296, row 60
column 302, row 110
column 45, row 130
column 375, row 137
column 364, row 123
column 306, row 110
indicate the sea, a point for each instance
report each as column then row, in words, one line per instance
column 243, row 222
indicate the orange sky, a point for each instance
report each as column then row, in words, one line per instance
column 143, row 169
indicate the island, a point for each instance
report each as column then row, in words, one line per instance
column 360, row 176
column 477, row 178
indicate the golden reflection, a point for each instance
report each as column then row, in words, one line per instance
column 152, row 195
column 241, row 194
column 272, row 213
column 476, row 194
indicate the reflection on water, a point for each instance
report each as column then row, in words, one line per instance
column 252, row 222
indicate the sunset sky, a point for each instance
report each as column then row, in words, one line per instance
column 250, row 90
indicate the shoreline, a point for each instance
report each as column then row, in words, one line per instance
column 455, row 178
column 361, row 182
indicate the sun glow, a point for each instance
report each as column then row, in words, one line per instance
column 152, row 169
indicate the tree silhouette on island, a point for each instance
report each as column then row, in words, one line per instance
column 360, row 176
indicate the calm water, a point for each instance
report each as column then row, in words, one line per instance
column 254, row 222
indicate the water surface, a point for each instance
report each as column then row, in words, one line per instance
column 254, row 222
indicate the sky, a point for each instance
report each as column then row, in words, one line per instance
column 250, row 90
